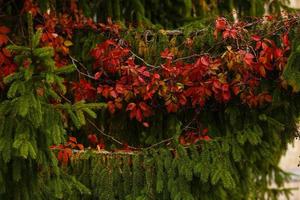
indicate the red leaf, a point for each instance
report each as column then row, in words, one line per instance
column 182, row 140
column 132, row 113
column 156, row 76
column 101, row 146
column 6, row 52
column 111, row 107
column 217, row 84
column 4, row 30
column 80, row 146
column 131, row 106
column 285, row 40
column 72, row 139
column 60, row 155
column 226, row 96
column 205, row 131
column 92, row 138
column 139, row 115
column 144, row 106
column 278, row 53
column 225, row 87
column 233, row 33
column 256, row 38
column 205, row 60
column 3, row 39
column 268, row 98
column 113, row 94
column 146, row 124
column 258, row 45
column 206, row 137
column 98, row 75
column 226, row 34
column 236, row 90
column 262, row 71
column 221, row 23
column 167, row 54
column 248, row 59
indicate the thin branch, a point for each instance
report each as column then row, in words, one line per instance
column 109, row 136
column 159, row 143
column 77, row 69
column 141, row 59
column 187, row 57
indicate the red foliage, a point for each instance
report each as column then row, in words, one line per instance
column 66, row 150
column 192, row 137
column 83, row 90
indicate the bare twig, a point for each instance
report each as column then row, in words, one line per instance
column 141, row 59
column 109, row 136
column 159, row 143
column 74, row 61
column 187, row 57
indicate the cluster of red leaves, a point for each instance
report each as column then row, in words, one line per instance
column 83, row 90
column 66, row 150
column 30, row 7
column 141, row 89
column 96, row 142
column 58, row 29
column 99, row 144
column 7, row 66
column 192, row 137
column 228, row 30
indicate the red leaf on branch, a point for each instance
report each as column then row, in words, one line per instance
column 139, row 115
column 131, row 106
column 285, row 40
column 248, row 59
column 4, row 30
column 167, row 54
column 98, row 75
column 262, row 71
column 111, row 107
column 92, row 139
column 72, row 139
column 256, row 38
column 221, row 23
column 3, row 39
column 146, row 124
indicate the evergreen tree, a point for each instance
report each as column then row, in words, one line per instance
column 31, row 120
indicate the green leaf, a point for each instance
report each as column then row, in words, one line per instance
column 43, row 52
column 90, row 112
column 74, row 118
column 36, row 38
column 17, row 49
column 24, row 149
column 13, row 89
column 65, row 69
column 23, row 106
column 80, row 117
column 32, row 151
column 50, row 78
column 12, row 77
column 216, row 175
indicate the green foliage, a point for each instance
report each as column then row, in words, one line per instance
column 292, row 71
column 30, row 124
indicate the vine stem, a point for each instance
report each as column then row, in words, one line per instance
column 77, row 69
column 109, row 136
column 141, row 59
